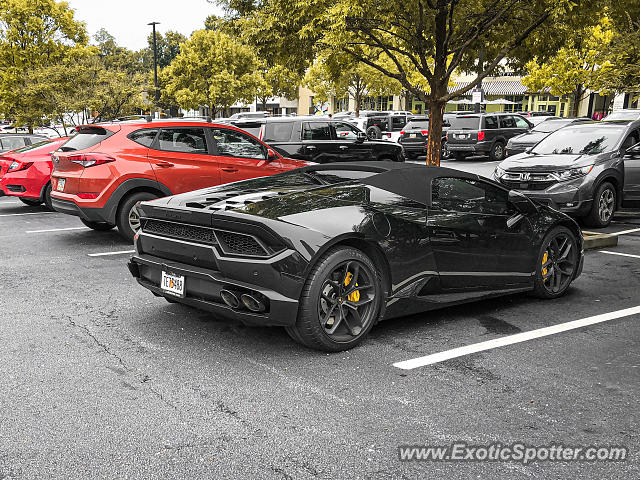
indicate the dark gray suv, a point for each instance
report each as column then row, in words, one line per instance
column 484, row 134
column 587, row 170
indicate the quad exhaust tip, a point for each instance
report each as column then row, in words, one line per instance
column 252, row 303
column 230, row 298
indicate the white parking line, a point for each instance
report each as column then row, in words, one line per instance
column 110, row 253
column 511, row 339
column 624, row 232
column 57, row 230
column 20, row 214
column 619, row 253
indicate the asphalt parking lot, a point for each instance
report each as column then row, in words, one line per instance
column 103, row 380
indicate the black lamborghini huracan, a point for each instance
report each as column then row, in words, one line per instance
column 329, row 250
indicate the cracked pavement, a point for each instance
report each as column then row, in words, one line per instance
column 102, row 380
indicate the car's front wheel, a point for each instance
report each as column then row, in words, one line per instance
column 340, row 302
column 127, row 218
column 604, row 204
column 557, row 263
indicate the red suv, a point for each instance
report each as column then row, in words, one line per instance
column 104, row 170
column 26, row 172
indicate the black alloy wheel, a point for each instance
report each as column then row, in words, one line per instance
column 603, row 207
column 340, row 302
column 557, row 263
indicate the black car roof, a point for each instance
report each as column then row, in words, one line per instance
column 407, row 179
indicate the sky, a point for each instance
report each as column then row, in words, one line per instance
column 127, row 20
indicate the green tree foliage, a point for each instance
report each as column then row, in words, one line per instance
column 212, row 69
column 420, row 43
column 338, row 75
column 575, row 67
column 623, row 53
column 168, row 48
column 33, row 34
column 118, row 58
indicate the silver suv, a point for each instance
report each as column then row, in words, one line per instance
column 587, row 170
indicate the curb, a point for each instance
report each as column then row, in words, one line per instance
column 594, row 240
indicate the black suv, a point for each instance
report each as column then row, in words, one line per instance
column 484, row 134
column 320, row 140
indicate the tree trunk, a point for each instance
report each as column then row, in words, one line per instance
column 434, row 142
column 577, row 96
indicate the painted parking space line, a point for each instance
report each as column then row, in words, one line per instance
column 512, row 339
column 625, row 232
column 57, row 230
column 619, row 253
column 105, row 254
column 20, row 214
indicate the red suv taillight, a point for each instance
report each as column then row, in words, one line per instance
column 90, row 159
column 480, row 135
column 402, row 132
column 16, row 166
column 424, row 132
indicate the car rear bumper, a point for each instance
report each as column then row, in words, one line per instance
column 202, row 290
column 71, row 208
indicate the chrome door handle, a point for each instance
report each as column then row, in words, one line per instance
column 310, row 147
column 343, row 147
column 229, row 169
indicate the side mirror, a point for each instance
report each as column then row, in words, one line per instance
column 271, row 155
column 361, row 137
column 522, row 203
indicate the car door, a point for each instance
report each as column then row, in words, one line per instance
column 468, row 233
column 349, row 147
column 241, row 156
column 631, row 189
column 318, row 143
column 181, row 159
column 508, row 127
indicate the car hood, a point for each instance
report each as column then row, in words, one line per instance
column 546, row 163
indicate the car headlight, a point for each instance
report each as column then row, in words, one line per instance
column 574, row 173
column 498, row 172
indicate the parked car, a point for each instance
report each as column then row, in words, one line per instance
column 327, row 251
column 381, row 125
column 11, row 141
column 537, row 120
column 539, row 113
column 483, row 134
column 623, row 114
column 414, row 136
column 103, row 171
column 238, row 116
column 320, row 140
column 26, row 172
column 587, row 170
column 525, row 141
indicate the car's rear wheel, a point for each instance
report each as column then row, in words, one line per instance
column 497, row 152
column 98, row 226
column 604, row 204
column 47, row 196
column 340, row 302
column 459, row 156
column 32, row 202
column 557, row 263
column 127, row 218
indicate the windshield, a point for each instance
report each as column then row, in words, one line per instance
column 33, row 146
column 579, row 141
column 417, row 125
column 550, row 126
column 623, row 115
column 465, row 123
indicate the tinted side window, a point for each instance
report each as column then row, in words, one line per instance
column 184, row 140
column 507, row 122
column 145, row 136
column 277, row 132
column 237, row 144
column 85, row 138
column 345, row 131
column 468, row 196
column 490, row 122
column 316, row 131
column 397, row 122
column 521, row 122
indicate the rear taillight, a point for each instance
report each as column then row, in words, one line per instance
column 402, row 132
column 90, row 159
column 16, row 166
column 480, row 135
column 424, row 132
column 446, row 136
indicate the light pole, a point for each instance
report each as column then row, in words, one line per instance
column 156, row 91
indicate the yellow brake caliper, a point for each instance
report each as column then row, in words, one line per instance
column 545, row 257
column 354, row 296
